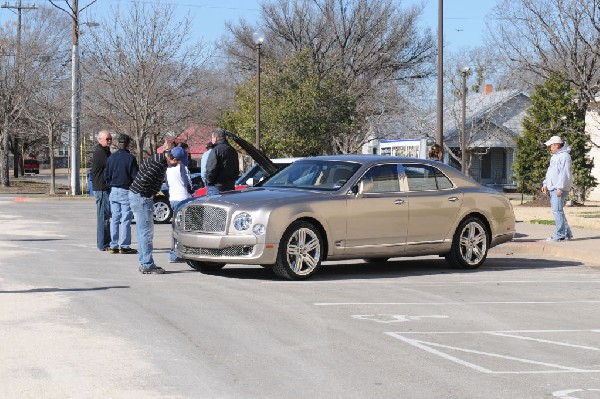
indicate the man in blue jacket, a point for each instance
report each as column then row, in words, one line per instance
column 558, row 182
column 121, row 170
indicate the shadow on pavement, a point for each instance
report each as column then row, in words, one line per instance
column 393, row 268
column 37, row 290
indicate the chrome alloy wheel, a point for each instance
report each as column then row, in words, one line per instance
column 473, row 243
column 303, row 251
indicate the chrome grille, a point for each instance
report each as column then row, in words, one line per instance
column 205, row 218
column 238, row 250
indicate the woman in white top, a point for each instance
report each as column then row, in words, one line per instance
column 179, row 187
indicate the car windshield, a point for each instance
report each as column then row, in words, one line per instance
column 314, row 174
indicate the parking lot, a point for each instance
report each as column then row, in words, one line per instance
column 81, row 323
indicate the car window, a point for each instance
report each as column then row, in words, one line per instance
column 314, row 174
column 384, row 178
column 425, row 177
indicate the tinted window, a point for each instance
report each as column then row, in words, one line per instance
column 314, row 174
column 425, row 177
column 384, row 178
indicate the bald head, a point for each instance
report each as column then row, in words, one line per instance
column 104, row 138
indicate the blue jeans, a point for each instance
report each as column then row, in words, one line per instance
column 143, row 208
column 562, row 230
column 174, row 207
column 102, row 219
column 120, row 221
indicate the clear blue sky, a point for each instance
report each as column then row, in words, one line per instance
column 464, row 20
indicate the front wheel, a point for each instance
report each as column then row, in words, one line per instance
column 469, row 245
column 162, row 212
column 300, row 252
column 205, row 267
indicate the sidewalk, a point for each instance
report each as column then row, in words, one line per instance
column 531, row 240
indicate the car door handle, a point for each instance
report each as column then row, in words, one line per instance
column 399, row 202
column 453, row 199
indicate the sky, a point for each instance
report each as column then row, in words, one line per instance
column 464, row 20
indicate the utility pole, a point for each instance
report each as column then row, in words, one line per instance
column 19, row 7
column 73, row 10
column 74, row 148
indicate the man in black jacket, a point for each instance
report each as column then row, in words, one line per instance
column 222, row 166
column 101, row 189
column 121, row 170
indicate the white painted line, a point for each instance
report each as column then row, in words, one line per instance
column 394, row 318
column 427, row 346
column 406, row 280
column 554, row 368
column 592, row 348
column 566, row 394
column 449, row 303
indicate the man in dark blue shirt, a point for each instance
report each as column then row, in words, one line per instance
column 121, row 170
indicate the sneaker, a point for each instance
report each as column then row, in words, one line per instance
column 552, row 239
column 178, row 260
column 113, row 250
column 152, row 270
column 128, row 251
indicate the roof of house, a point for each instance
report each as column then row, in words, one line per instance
column 195, row 136
column 496, row 118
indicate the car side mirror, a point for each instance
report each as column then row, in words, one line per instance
column 365, row 186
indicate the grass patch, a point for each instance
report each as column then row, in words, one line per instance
column 542, row 221
column 590, row 215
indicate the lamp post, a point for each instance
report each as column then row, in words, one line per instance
column 440, row 77
column 463, row 128
column 258, row 37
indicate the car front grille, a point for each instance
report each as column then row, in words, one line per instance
column 205, row 219
column 238, row 250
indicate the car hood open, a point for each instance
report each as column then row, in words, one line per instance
column 257, row 155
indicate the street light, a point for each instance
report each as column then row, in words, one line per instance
column 258, row 37
column 463, row 130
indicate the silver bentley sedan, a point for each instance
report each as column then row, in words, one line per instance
column 345, row 207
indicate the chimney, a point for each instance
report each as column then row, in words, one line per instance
column 487, row 89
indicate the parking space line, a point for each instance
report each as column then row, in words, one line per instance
column 592, row 348
column 434, row 348
column 449, row 303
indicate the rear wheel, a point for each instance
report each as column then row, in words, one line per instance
column 205, row 267
column 300, row 252
column 470, row 245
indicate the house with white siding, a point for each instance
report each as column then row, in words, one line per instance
column 592, row 128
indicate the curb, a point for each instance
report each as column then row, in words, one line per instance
column 548, row 250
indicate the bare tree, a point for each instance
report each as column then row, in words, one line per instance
column 542, row 37
column 19, row 81
column 146, row 79
column 374, row 45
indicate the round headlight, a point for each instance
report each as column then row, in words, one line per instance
column 259, row 229
column 242, row 222
column 178, row 219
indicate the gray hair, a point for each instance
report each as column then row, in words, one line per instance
column 219, row 133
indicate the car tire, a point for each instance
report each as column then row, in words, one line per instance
column 469, row 245
column 162, row 210
column 205, row 267
column 300, row 252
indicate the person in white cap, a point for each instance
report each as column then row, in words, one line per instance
column 558, row 182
